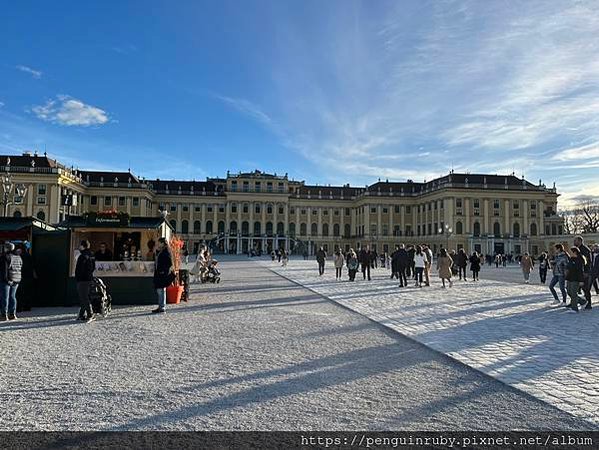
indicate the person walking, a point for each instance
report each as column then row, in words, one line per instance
column 410, row 270
column 543, row 266
column 574, row 277
column 444, row 263
column 558, row 266
column 419, row 265
column 352, row 264
column 403, row 265
column 338, row 264
column 527, row 264
column 164, row 274
column 10, row 267
column 284, row 258
column 587, row 281
column 84, row 274
column 321, row 257
column 475, row 265
column 365, row 259
column 462, row 263
column 595, row 268
column 395, row 263
column 429, row 263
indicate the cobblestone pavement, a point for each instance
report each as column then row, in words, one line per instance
column 255, row 352
column 500, row 326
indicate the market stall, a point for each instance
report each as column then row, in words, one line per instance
column 124, row 249
column 42, row 248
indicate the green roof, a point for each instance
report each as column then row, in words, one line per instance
column 18, row 223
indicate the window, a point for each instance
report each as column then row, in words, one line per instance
column 107, row 201
column 373, row 210
column 281, row 187
column 385, row 230
column 458, row 228
column 429, row 206
column 458, row 202
column 336, row 229
column 233, row 207
column 173, row 223
column 347, row 230
column 221, row 208
column 257, row 208
column 314, row 229
column 209, row 227
column 269, row 228
column 246, row 186
column 136, row 202
column 184, row 227
column 385, row 210
column 336, row 212
column 497, row 229
column 533, row 229
column 41, row 215
column 325, row 229
column 41, row 189
column 476, row 203
column 314, row 212
column 198, row 209
column 397, row 209
column 258, row 186
column 292, row 210
column 122, row 201
column 436, row 205
column 292, row 229
column 42, row 201
column 408, row 210
column 280, row 229
column 476, row 229
column 281, row 210
column 496, row 204
column 269, row 186
column 173, row 207
column 246, row 208
column 17, row 213
column 516, row 230
column 197, row 229
column 325, row 212
column 268, row 209
column 93, row 200
column 303, row 229
column 221, row 227
column 234, row 186
column 185, row 208
column 257, row 228
column 347, row 211
column 245, row 228
column 303, row 212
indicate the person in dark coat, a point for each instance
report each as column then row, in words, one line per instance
column 365, row 259
column 475, row 265
column 403, row 266
column 410, row 270
column 164, row 274
column 321, row 257
column 574, row 277
column 395, row 263
column 462, row 263
column 84, row 273
column 585, row 285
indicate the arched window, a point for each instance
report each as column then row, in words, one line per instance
column 476, row 231
column 221, row 227
column 209, row 227
column 173, row 223
column 497, row 229
column 336, row 229
column 314, row 229
column 533, row 229
column 245, row 228
column 17, row 213
column 458, row 228
column 292, row 229
column 41, row 215
column 269, row 228
column 325, row 229
column 197, row 227
column 268, row 210
column 347, row 231
column 516, row 229
column 184, row 227
column 257, row 228
column 280, row 229
column 233, row 227
column 303, row 229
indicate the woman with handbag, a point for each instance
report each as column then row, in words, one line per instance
column 164, row 274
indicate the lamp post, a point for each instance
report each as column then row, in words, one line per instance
column 10, row 191
column 447, row 231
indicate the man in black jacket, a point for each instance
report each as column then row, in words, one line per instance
column 365, row 259
column 321, row 257
column 403, row 263
column 84, row 273
column 586, row 284
column 395, row 263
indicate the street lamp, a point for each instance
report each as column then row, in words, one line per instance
column 447, row 231
column 10, row 191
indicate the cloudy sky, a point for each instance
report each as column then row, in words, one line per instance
column 330, row 92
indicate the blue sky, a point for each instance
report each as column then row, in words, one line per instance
column 330, row 92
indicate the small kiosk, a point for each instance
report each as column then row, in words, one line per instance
column 124, row 248
column 43, row 252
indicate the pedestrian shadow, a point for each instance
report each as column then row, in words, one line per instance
column 46, row 323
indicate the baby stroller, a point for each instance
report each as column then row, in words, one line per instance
column 99, row 297
column 212, row 273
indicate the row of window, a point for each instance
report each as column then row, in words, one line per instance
column 257, row 187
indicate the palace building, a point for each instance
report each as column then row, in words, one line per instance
column 256, row 210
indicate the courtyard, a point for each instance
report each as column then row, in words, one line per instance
column 274, row 348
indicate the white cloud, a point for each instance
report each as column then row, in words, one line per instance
column 583, row 152
column 34, row 73
column 247, row 108
column 71, row 112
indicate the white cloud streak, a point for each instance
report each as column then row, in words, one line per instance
column 37, row 74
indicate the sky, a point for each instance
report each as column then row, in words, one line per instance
column 332, row 92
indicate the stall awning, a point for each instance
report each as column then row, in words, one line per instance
column 20, row 223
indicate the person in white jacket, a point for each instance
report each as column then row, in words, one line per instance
column 339, row 259
column 420, row 261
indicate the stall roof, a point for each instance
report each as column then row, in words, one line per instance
column 134, row 222
column 18, row 223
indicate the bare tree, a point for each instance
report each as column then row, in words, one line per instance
column 583, row 218
column 589, row 211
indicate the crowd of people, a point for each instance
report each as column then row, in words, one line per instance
column 575, row 269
